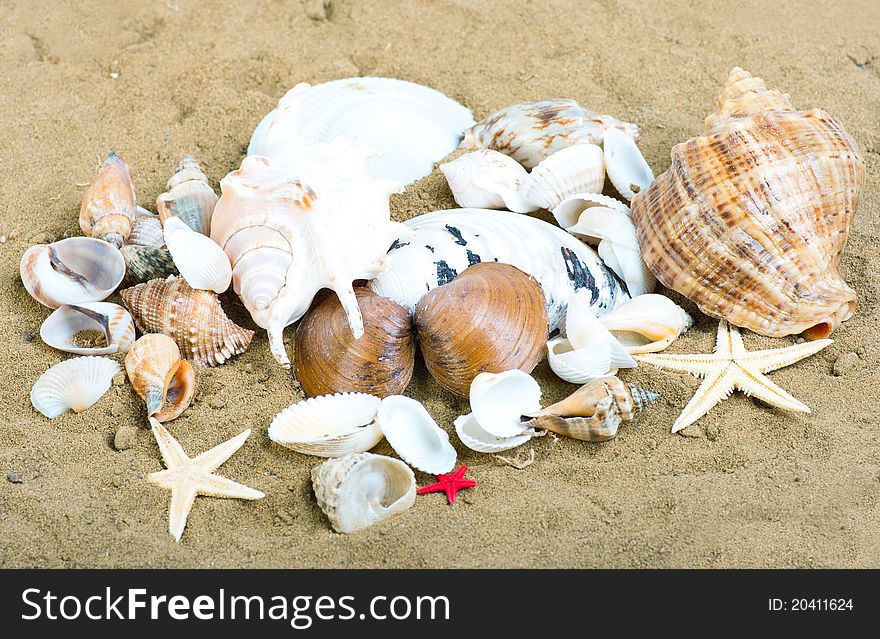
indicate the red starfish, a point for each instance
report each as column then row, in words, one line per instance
column 449, row 484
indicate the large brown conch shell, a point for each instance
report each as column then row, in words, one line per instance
column 750, row 219
column 192, row 318
column 330, row 360
column 163, row 380
column 109, row 207
column 489, row 319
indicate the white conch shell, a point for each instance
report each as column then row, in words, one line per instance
column 487, row 179
column 589, row 350
column 575, row 169
column 201, row 262
column 499, row 399
column 618, row 246
column 568, row 212
column 413, row 126
column 448, row 242
column 329, row 425
column 74, row 384
column 285, row 245
column 414, row 435
column 59, row 329
column 477, row 438
column 625, row 164
column 189, row 197
column 146, row 230
column 361, row 489
column 72, row 271
column 647, row 323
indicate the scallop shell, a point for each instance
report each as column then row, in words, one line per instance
column 329, row 425
column 361, row 489
column 411, row 125
column 60, row 328
column 146, row 230
column 477, row 438
column 145, row 263
column 647, row 323
column 498, row 400
column 192, row 318
column 415, row 436
column 574, row 169
column 625, row 164
column 533, row 131
column 109, row 207
column 569, row 211
column 74, row 384
column 199, row 259
column 72, row 271
column 163, row 380
column 189, row 197
column 487, row 179
column 751, row 218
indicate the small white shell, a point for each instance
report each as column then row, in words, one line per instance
column 66, row 321
column 361, row 489
column 75, row 384
column 574, row 169
column 477, row 438
column 625, row 164
column 487, row 179
column 415, row 436
column 498, row 400
column 200, row 260
column 569, row 211
column 329, row 425
column 146, row 230
column 647, row 323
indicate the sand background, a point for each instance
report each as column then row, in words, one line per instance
column 750, row 487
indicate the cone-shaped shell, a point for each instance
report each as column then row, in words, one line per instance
column 487, row 179
column 361, row 489
column 414, row 435
column 74, row 384
column 199, row 259
column 330, row 360
column 189, row 197
column 145, row 263
column 192, row 318
column 491, row 318
column 109, row 207
column 62, row 326
column 146, row 230
column 574, row 169
column 163, row 380
column 647, row 323
column 750, row 219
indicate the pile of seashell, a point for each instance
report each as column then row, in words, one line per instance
column 749, row 223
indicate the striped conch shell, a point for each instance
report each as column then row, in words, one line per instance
column 161, row 378
column 189, row 197
column 109, row 206
column 192, row 318
column 751, row 218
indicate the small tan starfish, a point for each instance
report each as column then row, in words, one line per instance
column 186, row 478
column 731, row 367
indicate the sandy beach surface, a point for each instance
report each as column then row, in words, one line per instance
column 749, row 487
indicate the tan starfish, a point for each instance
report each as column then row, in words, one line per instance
column 731, row 367
column 188, row 477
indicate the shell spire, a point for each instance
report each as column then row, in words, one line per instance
column 745, row 95
column 642, row 398
column 109, row 207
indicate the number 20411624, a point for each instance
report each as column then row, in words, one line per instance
column 797, row 605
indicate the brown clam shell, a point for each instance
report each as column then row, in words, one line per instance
column 109, row 206
column 489, row 319
column 162, row 379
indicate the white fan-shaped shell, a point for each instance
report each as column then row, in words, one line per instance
column 361, row 489
column 487, row 179
column 75, row 384
column 574, row 169
column 72, row 271
column 568, row 212
column 647, row 323
column 59, row 329
column 498, row 400
column 146, row 230
column 413, row 126
column 477, row 438
column 329, row 425
column 201, row 262
column 414, row 435
column 625, row 164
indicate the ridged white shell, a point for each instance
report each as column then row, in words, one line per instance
column 477, row 438
column 568, row 212
column 498, row 400
column 487, row 179
column 361, row 489
column 329, row 425
column 413, row 126
column 146, row 230
column 647, row 323
column 75, row 384
column 59, row 329
column 625, row 164
column 201, row 262
column 574, row 169
column 414, row 435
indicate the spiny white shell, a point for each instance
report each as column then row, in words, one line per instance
column 647, row 323
column 574, row 169
column 329, row 425
column 201, row 262
column 414, row 435
column 625, row 164
column 477, row 438
column 146, row 230
column 413, row 126
column 59, row 329
column 75, row 384
column 589, row 351
column 487, row 179
column 498, row 400
column 361, row 489
column 568, row 212
column 72, row 271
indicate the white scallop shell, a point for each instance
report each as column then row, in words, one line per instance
column 477, row 438
column 487, row 179
column 625, row 164
column 361, row 489
column 201, row 261
column 59, row 329
column 569, row 211
column 647, row 323
column 72, row 271
column 574, row 169
column 75, row 384
column 329, row 425
column 413, row 126
column 414, row 435
column 498, row 400
column 146, row 230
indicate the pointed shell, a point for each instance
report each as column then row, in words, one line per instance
column 146, row 230
column 569, row 171
column 62, row 326
column 647, row 323
column 361, row 489
column 189, row 197
column 625, row 164
column 164, row 381
column 145, row 263
column 477, row 438
column 71, row 271
column 569, row 211
column 74, row 384
column 109, row 206
column 415, row 436
column 498, row 400
column 487, row 179
column 199, row 259
column 329, row 425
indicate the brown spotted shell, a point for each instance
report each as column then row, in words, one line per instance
column 161, row 378
column 750, row 219
column 109, row 206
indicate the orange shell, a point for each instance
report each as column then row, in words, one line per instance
column 109, row 206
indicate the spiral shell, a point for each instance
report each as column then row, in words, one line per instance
column 164, row 381
column 146, row 230
column 647, row 323
column 189, row 197
column 109, row 207
column 145, row 263
column 574, row 169
column 62, row 326
column 487, row 179
column 74, row 384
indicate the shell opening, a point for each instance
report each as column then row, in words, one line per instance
column 178, row 390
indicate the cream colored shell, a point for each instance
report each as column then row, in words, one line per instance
column 74, row 384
